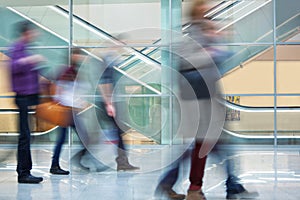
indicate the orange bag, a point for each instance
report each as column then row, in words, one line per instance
column 55, row 113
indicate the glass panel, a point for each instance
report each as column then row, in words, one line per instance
column 248, row 124
column 287, row 81
column 288, row 126
column 135, row 78
column 287, row 84
column 253, row 75
column 53, row 32
column 55, row 60
column 241, row 20
column 287, row 23
column 50, row 23
column 8, row 119
column 287, row 69
column 112, row 20
column 131, row 65
column 33, row 3
column 143, row 117
column 240, row 56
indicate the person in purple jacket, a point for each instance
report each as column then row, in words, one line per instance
column 26, row 86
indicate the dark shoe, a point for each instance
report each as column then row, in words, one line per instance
column 242, row 195
column 57, row 170
column 123, row 163
column 29, row 179
column 171, row 194
column 126, row 167
column 233, row 185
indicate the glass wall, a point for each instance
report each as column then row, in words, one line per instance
column 260, row 77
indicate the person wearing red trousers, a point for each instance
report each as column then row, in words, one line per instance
column 199, row 92
column 166, row 184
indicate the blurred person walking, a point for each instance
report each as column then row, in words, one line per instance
column 200, row 85
column 195, row 96
column 70, row 88
column 203, row 31
column 109, row 107
column 25, row 82
column 64, row 95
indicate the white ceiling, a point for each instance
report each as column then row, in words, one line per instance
column 4, row 3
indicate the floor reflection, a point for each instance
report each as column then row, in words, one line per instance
column 273, row 176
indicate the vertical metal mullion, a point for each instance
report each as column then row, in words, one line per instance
column 275, row 89
column 71, row 26
column 171, row 77
column 70, row 138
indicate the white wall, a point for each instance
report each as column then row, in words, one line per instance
column 120, row 18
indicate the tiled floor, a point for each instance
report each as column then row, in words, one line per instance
column 273, row 176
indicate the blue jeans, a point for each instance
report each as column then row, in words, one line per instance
column 60, row 140
column 24, row 161
column 169, row 179
column 233, row 185
column 108, row 122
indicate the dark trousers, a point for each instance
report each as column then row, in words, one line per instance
column 24, row 164
column 60, row 140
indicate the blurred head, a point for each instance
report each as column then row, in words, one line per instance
column 198, row 9
column 27, row 31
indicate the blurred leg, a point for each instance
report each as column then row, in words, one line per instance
column 113, row 124
column 24, row 156
column 170, row 177
column 61, row 137
column 197, row 168
column 234, row 189
column 24, row 162
column 196, row 174
column 165, row 186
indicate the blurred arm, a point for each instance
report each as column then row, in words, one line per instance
column 22, row 62
column 106, row 91
column 106, row 88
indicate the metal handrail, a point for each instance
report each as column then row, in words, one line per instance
column 226, row 103
column 260, row 109
column 242, row 136
column 32, row 133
